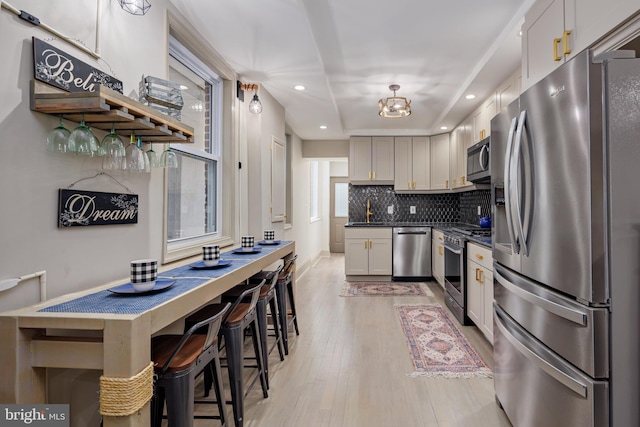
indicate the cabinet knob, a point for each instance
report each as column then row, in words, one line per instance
column 370, row 244
column 446, row 183
column 369, row 174
column 409, row 184
column 440, row 250
column 479, row 256
column 365, row 244
column 374, row 175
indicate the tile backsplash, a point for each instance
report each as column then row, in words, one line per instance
column 450, row 207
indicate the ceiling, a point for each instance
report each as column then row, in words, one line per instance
column 347, row 52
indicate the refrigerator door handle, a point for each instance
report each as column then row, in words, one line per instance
column 515, row 172
column 567, row 313
column 560, row 376
column 507, row 186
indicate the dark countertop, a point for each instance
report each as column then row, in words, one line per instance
column 442, row 226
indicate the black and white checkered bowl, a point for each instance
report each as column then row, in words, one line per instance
column 144, row 273
column 211, row 255
column 247, row 243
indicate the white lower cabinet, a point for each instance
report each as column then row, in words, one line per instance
column 480, row 288
column 367, row 251
column 437, row 256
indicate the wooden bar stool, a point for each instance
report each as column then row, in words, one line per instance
column 178, row 359
column 267, row 297
column 241, row 316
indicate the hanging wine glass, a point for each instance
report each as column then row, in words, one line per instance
column 113, row 147
column 154, row 161
column 169, row 159
column 147, row 162
column 80, row 140
column 57, row 138
column 135, row 156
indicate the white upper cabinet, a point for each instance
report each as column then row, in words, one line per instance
column 371, row 160
column 508, row 91
column 556, row 30
column 440, row 162
column 412, row 163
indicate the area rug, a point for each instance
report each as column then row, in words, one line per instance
column 436, row 345
column 385, row 289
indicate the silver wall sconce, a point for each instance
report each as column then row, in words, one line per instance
column 255, row 106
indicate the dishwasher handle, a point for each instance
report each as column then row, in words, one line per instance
column 411, row 232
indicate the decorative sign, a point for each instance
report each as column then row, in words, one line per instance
column 77, row 207
column 58, row 68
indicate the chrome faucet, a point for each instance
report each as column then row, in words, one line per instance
column 369, row 213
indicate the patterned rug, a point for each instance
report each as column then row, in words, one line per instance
column 385, row 289
column 436, row 345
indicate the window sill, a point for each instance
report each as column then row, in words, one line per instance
column 183, row 251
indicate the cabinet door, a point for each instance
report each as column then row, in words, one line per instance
column 380, row 257
column 507, row 92
column 489, row 109
column 592, row 19
column 382, row 154
column 440, row 162
column 475, row 294
column 421, row 163
column 437, row 257
column 403, row 178
column 356, row 257
column 543, row 23
column 487, row 324
column 360, row 158
column 454, row 153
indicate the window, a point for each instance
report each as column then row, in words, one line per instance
column 194, row 188
column 314, row 191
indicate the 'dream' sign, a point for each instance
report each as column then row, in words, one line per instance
column 82, row 208
column 58, row 68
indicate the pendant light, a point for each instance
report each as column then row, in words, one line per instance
column 394, row 106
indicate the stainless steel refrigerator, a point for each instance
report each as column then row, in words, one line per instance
column 566, row 247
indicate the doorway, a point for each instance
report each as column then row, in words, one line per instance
column 339, row 213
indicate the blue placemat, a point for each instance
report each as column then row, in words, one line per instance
column 186, row 271
column 108, row 302
column 186, row 279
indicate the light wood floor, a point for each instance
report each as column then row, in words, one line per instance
column 349, row 365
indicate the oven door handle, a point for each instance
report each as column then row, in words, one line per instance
column 456, row 250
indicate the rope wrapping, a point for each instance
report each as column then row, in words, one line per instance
column 125, row 396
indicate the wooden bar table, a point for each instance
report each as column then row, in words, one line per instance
column 97, row 335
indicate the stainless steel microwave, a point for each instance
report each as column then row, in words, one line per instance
column 479, row 162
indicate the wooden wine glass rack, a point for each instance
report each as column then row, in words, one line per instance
column 106, row 107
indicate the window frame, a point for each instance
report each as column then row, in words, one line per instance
column 184, row 247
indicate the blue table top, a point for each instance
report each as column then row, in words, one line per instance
column 186, row 279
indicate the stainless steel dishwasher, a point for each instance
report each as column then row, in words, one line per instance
column 411, row 253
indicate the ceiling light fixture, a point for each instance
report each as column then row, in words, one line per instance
column 323, row 127
column 443, row 128
column 299, row 87
column 255, row 106
column 135, row 7
column 470, row 96
column 394, row 106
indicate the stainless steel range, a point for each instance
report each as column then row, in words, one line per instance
column 455, row 240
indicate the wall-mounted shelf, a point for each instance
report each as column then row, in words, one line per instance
column 105, row 107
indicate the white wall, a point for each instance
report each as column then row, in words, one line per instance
column 74, row 258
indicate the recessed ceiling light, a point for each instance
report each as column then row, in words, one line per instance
column 299, row 87
column 443, row 128
column 323, row 127
column 470, row 96
column 183, row 87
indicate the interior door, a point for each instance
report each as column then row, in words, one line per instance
column 339, row 213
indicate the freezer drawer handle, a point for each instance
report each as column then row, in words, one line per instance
column 569, row 382
column 570, row 314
